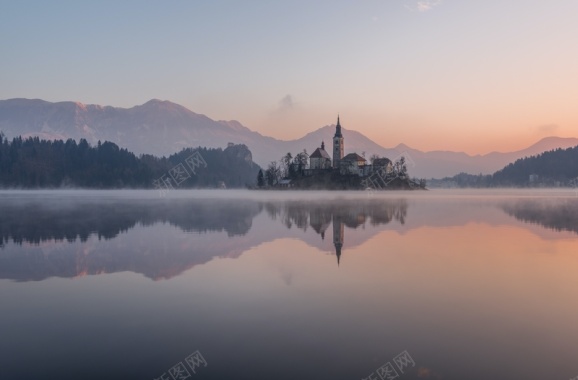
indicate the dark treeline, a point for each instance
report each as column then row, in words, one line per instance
column 553, row 168
column 36, row 163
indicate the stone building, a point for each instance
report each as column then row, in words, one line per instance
column 320, row 159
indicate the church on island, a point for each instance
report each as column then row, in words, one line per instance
column 352, row 163
column 337, row 171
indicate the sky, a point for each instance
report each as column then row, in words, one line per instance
column 461, row 75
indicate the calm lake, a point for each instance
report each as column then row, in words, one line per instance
column 202, row 285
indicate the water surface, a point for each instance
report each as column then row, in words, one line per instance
column 289, row 285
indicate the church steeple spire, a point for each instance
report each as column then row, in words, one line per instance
column 337, row 145
column 338, row 128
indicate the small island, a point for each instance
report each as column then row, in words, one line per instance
column 320, row 171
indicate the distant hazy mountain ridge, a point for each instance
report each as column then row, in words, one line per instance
column 163, row 128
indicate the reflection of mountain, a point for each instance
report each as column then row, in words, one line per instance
column 556, row 214
column 66, row 237
column 76, row 237
column 69, row 236
column 160, row 256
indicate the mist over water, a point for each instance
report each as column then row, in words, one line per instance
column 289, row 285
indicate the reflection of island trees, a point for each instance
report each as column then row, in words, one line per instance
column 557, row 214
column 34, row 222
column 352, row 213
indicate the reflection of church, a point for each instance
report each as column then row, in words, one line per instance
column 320, row 223
column 351, row 213
column 338, row 235
column 320, row 220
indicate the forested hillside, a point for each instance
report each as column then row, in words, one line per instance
column 557, row 167
column 35, row 163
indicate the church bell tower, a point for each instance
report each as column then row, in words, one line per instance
column 337, row 145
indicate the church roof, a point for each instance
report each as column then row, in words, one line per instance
column 353, row 157
column 320, row 153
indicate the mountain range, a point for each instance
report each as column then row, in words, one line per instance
column 162, row 128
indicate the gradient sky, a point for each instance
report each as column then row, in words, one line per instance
column 475, row 76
